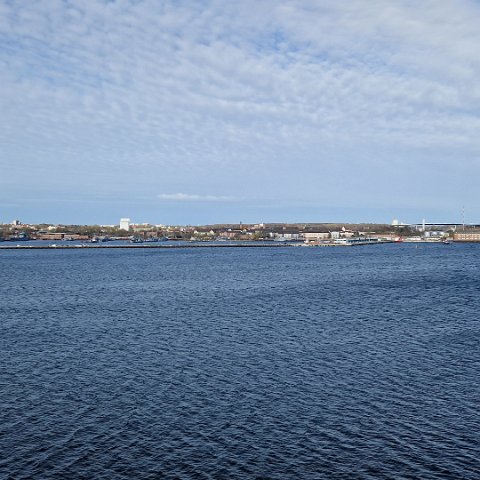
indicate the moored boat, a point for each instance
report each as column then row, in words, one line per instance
column 20, row 237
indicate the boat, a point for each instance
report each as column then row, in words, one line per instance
column 137, row 240
column 21, row 237
column 99, row 240
column 446, row 241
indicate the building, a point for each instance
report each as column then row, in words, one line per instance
column 315, row 236
column 467, row 237
column 125, row 224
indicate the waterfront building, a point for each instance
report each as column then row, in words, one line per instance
column 467, row 237
column 315, row 236
column 125, row 224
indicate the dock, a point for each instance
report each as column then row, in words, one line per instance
column 141, row 245
column 146, row 246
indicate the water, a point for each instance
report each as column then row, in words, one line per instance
column 348, row 363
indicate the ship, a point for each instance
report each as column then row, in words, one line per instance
column 20, row 237
column 99, row 239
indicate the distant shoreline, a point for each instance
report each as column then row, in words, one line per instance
column 169, row 247
column 133, row 246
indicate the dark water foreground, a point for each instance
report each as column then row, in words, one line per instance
column 245, row 363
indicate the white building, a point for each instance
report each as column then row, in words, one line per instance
column 287, row 236
column 315, row 236
column 125, row 224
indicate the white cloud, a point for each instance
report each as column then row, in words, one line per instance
column 102, row 95
column 185, row 197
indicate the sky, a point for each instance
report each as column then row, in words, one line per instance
column 194, row 112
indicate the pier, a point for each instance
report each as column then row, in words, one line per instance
column 144, row 246
column 183, row 246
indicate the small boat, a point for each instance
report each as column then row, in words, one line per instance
column 446, row 242
column 99, row 239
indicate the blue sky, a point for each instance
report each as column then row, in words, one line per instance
column 190, row 112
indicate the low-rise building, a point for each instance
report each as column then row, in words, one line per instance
column 315, row 236
column 288, row 236
column 466, row 237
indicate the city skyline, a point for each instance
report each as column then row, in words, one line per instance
column 126, row 223
column 209, row 112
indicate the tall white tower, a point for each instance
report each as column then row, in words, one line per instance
column 125, row 224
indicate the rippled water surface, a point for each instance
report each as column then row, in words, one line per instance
column 241, row 363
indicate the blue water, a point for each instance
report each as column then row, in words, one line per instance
column 288, row 363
